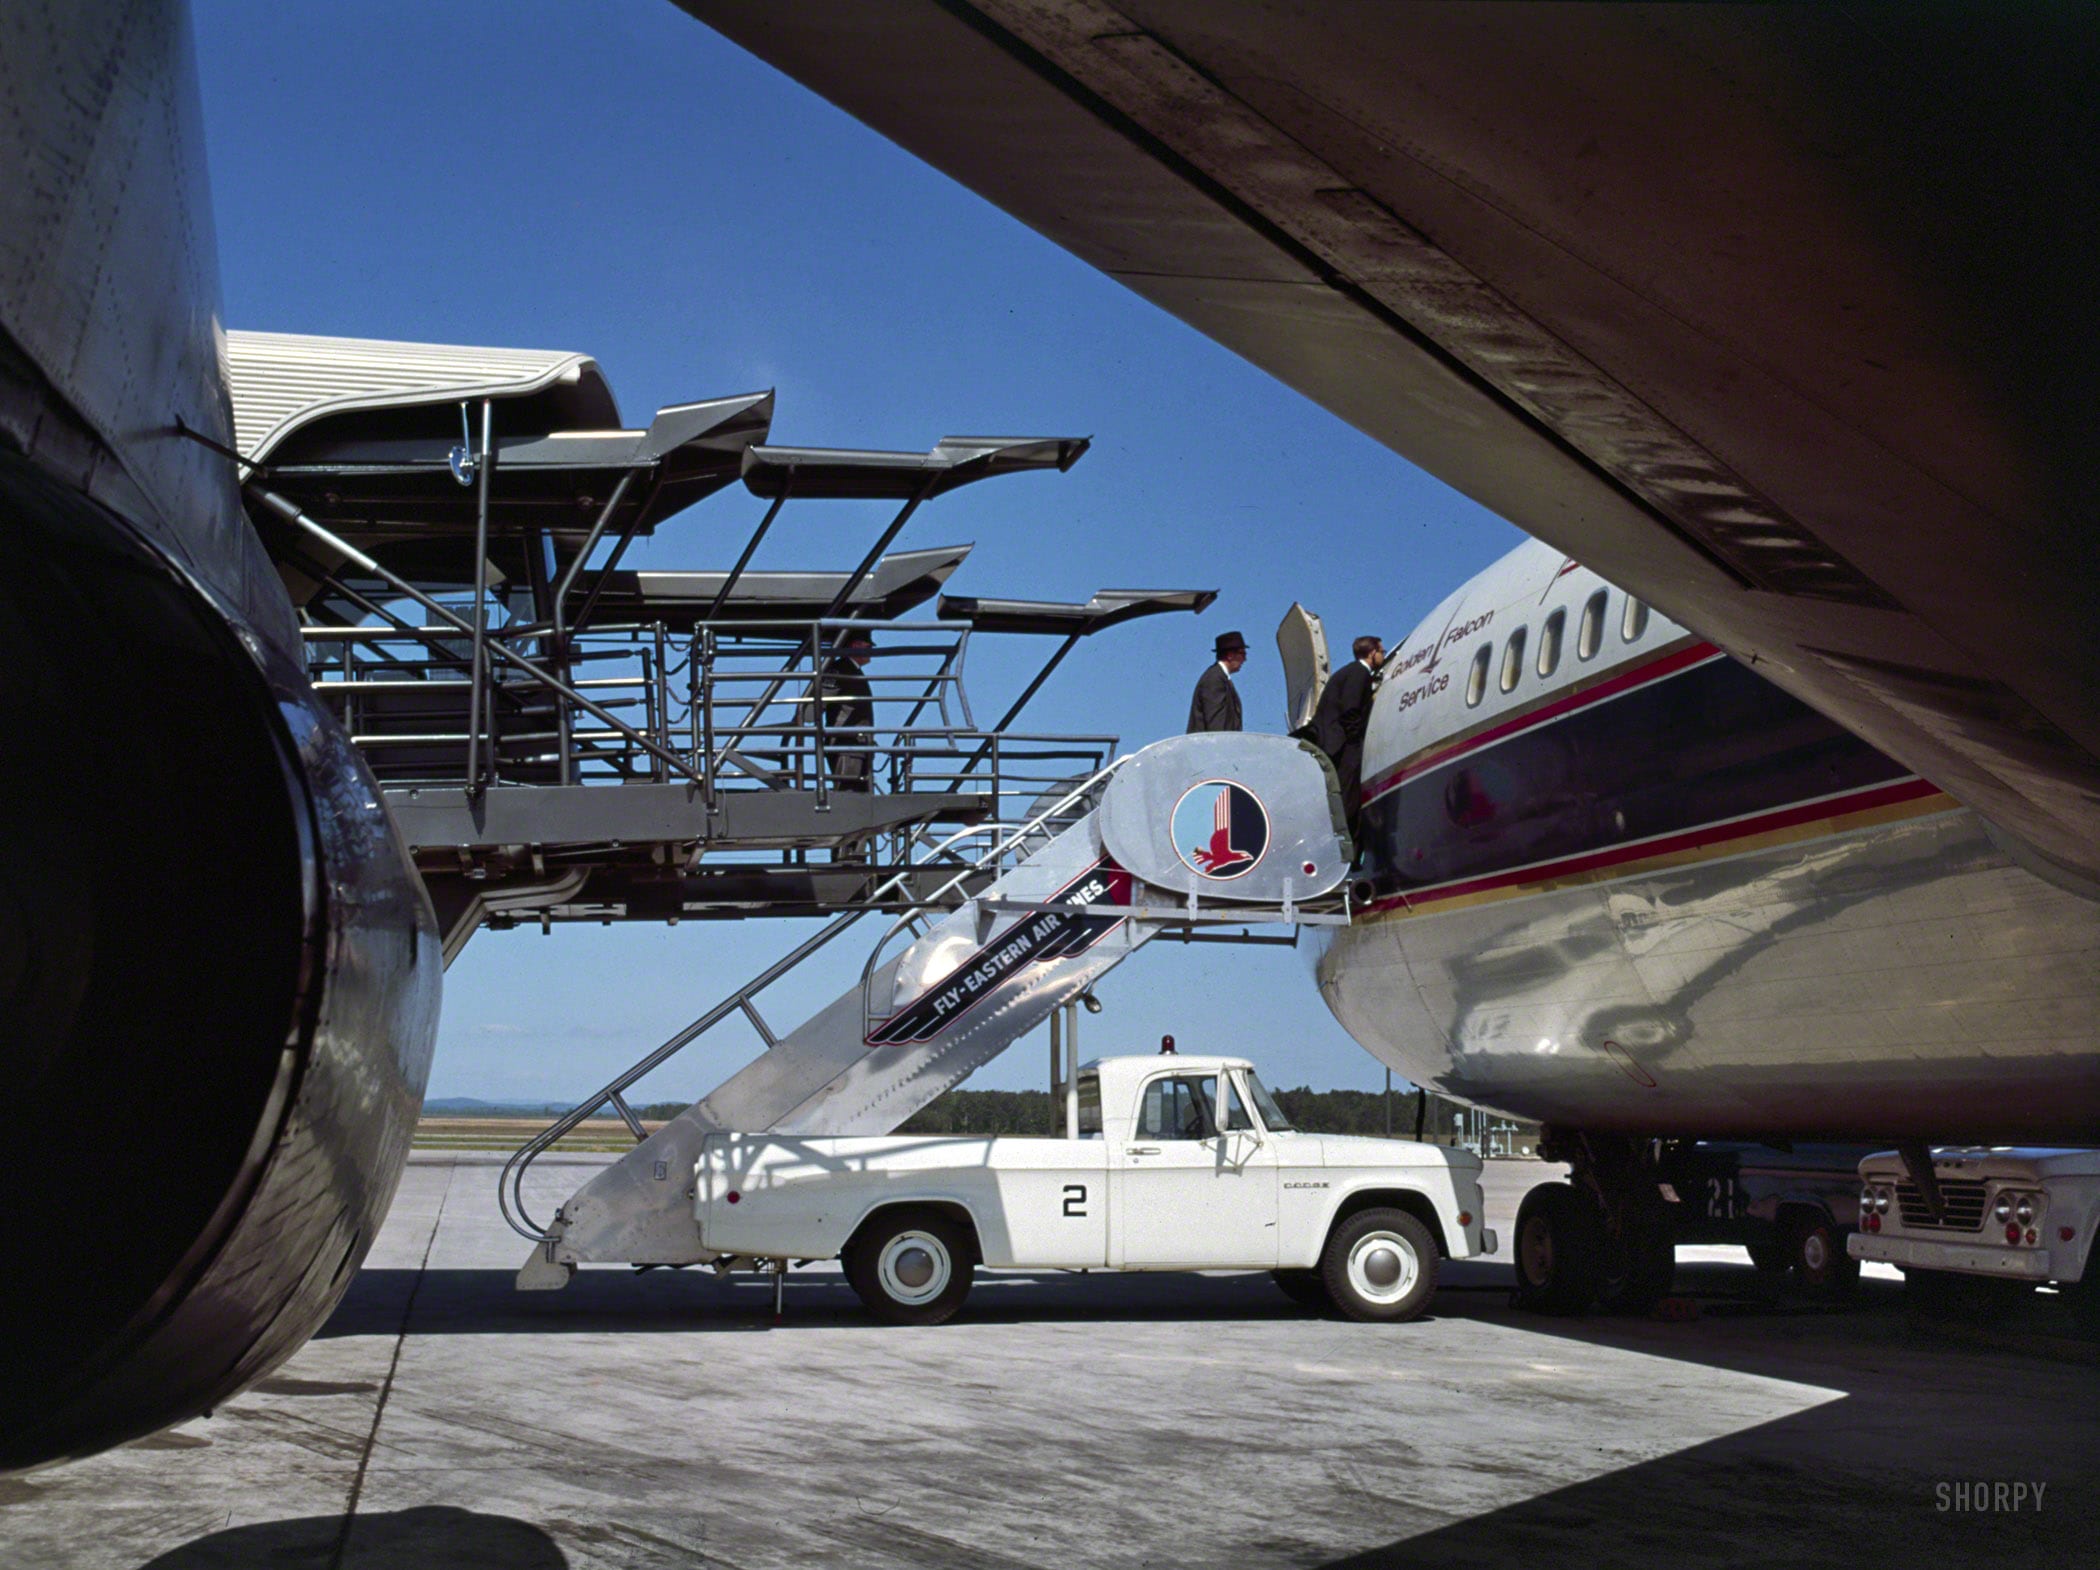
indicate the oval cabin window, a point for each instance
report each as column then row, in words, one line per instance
column 1590, row 636
column 1477, row 677
column 1636, row 621
column 1549, row 642
column 1513, row 661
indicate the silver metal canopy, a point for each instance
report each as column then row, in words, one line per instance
column 898, row 583
column 899, row 476
column 1108, row 608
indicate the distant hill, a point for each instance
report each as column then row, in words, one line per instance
column 474, row 1107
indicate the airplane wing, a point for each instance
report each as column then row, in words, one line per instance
column 1779, row 316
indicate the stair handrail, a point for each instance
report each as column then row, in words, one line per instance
column 510, row 1190
column 1000, row 848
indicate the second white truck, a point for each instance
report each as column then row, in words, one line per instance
column 1169, row 1163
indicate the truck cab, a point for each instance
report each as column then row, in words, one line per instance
column 1167, row 1162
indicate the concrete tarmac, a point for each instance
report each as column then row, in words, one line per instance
column 443, row 1420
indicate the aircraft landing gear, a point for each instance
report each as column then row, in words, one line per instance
column 1602, row 1238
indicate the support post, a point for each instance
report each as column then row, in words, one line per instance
column 1057, row 1016
column 558, row 644
column 1072, row 1076
column 482, row 472
column 787, row 486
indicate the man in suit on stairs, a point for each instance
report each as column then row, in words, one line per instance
column 1343, row 715
column 1216, row 705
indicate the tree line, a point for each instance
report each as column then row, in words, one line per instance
column 1315, row 1111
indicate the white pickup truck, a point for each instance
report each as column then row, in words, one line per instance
column 1168, row 1163
column 2008, row 1219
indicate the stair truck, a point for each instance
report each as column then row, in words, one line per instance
column 1167, row 1162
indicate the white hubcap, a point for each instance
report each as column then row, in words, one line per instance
column 914, row 1267
column 1383, row 1267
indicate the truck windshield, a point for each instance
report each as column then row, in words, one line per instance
column 1271, row 1114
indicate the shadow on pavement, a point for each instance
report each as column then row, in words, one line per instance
column 420, row 1539
column 1840, row 1486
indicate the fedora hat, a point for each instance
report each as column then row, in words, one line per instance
column 1230, row 643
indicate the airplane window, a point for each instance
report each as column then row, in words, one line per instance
column 1549, row 642
column 1477, row 678
column 1636, row 621
column 1590, row 637
column 1513, row 661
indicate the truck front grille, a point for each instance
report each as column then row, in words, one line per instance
column 1962, row 1197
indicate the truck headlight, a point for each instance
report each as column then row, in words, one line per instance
column 1881, row 1200
column 2023, row 1212
column 1866, row 1200
column 2002, row 1211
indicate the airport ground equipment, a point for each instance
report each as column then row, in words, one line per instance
column 452, row 524
column 1974, row 1229
column 1793, row 1207
column 1166, row 1163
column 1190, row 837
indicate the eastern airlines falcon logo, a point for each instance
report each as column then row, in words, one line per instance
column 1220, row 829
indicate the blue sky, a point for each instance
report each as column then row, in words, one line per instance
column 610, row 176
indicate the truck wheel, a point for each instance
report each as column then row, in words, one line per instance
column 910, row 1267
column 1303, row 1287
column 1816, row 1251
column 1559, row 1241
column 1379, row 1264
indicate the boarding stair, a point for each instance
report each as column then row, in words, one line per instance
column 1192, row 835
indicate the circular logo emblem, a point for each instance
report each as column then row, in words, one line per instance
column 1220, row 829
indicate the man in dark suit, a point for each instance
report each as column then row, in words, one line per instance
column 849, row 712
column 1342, row 717
column 1216, row 705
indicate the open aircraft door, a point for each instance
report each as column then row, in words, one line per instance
column 1301, row 641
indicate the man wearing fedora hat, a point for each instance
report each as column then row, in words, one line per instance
column 849, row 711
column 1216, row 705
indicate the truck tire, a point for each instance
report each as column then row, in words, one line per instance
column 1558, row 1250
column 1379, row 1265
column 910, row 1267
column 1303, row 1287
column 1816, row 1253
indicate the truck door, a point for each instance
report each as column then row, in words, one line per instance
column 1189, row 1193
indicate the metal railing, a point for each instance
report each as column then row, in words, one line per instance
column 730, row 706
column 1007, row 840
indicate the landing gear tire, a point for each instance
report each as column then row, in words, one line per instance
column 911, row 1267
column 1379, row 1265
column 1303, row 1287
column 1948, row 1297
column 1559, row 1239
column 1639, row 1268
column 1817, row 1256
